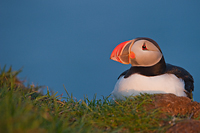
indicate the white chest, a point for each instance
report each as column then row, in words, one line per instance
column 136, row 84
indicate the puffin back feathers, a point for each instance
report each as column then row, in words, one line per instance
column 184, row 75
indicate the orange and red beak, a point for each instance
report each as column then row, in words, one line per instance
column 122, row 52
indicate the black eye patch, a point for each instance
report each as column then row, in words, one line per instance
column 144, row 47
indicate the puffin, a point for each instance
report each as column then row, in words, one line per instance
column 149, row 73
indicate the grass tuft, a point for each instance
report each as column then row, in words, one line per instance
column 24, row 109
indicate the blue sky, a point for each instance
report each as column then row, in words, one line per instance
column 69, row 41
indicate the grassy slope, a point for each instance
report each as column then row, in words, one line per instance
column 22, row 109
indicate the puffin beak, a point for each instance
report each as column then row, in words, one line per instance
column 122, row 52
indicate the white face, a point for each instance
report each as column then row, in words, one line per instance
column 146, row 54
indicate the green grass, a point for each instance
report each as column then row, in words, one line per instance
column 23, row 109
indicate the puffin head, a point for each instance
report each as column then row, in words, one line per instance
column 139, row 52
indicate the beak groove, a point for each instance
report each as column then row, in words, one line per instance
column 121, row 52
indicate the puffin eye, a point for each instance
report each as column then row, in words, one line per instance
column 144, row 47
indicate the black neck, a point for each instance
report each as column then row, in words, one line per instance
column 154, row 70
